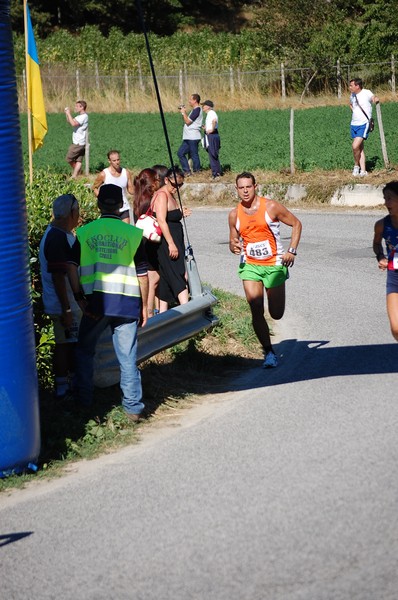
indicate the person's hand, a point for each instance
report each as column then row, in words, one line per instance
column 186, row 211
column 66, row 318
column 144, row 315
column 235, row 246
column 288, row 259
column 383, row 263
column 173, row 251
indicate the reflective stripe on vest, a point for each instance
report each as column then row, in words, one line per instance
column 109, row 279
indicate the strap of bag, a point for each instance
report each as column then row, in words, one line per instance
column 368, row 118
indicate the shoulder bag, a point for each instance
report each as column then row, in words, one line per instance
column 150, row 227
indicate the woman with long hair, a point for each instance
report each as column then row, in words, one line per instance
column 145, row 185
column 171, row 254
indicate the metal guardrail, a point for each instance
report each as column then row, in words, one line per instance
column 162, row 331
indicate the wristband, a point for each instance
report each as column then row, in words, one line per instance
column 292, row 251
column 68, row 310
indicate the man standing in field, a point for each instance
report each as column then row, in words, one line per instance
column 213, row 137
column 77, row 149
column 254, row 233
column 119, row 176
column 191, row 135
column 361, row 101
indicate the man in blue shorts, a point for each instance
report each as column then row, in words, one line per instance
column 254, row 233
column 361, row 101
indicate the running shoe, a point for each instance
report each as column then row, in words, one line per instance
column 270, row 360
column 363, row 173
column 356, row 170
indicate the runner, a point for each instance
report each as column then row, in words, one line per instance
column 387, row 229
column 254, row 234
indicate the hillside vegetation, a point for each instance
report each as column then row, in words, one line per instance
column 213, row 34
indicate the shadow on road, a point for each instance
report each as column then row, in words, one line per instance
column 9, row 538
column 305, row 360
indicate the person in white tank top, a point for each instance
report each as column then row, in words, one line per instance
column 119, row 176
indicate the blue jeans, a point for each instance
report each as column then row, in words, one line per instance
column 124, row 339
column 189, row 148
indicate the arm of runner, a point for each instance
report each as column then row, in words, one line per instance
column 378, row 246
column 235, row 245
column 280, row 212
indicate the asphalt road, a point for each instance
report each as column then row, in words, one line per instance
column 283, row 486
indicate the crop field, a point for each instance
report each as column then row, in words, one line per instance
column 250, row 140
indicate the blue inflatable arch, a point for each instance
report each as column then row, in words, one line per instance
column 19, row 406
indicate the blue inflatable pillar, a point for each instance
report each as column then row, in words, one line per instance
column 19, row 405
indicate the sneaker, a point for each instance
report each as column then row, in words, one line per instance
column 356, row 170
column 363, row 173
column 270, row 360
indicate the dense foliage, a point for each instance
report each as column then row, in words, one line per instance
column 255, row 35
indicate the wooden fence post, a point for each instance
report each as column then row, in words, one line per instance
column 97, row 78
column 126, row 89
column 231, row 81
column 338, row 79
column 382, row 137
column 87, row 155
column 140, row 80
column 77, row 83
column 283, row 82
column 181, row 87
column 292, row 167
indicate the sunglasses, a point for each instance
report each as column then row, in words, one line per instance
column 176, row 185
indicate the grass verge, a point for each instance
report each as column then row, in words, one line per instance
column 172, row 380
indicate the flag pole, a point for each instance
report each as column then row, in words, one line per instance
column 28, row 109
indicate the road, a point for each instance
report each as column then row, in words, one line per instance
column 283, row 486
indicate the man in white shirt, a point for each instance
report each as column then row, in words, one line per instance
column 213, row 138
column 117, row 175
column 361, row 101
column 78, row 147
column 191, row 136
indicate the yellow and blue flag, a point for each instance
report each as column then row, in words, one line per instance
column 34, row 88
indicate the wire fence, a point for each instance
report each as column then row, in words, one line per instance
column 63, row 81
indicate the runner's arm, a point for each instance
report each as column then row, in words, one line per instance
column 378, row 246
column 235, row 245
column 280, row 212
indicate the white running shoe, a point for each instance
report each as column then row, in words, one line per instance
column 356, row 170
column 363, row 173
column 270, row 360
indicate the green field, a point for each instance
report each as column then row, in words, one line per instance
column 250, row 140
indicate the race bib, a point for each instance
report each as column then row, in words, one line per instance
column 259, row 250
column 395, row 261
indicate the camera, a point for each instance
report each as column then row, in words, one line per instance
column 181, row 106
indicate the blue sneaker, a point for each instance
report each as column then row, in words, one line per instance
column 270, row 360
